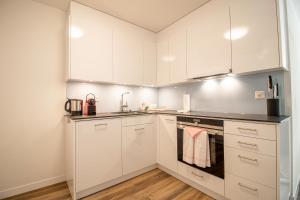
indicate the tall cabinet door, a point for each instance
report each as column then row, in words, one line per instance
column 167, row 142
column 163, row 62
column 98, row 152
column 149, row 61
column 177, row 52
column 90, row 45
column 254, row 35
column 128, row 55
column 208, row 50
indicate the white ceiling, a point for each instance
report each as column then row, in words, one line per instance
column 153, row 15
column 60, row 4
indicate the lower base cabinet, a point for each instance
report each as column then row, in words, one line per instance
column 98, row 152
column 202, row 178
column 103, row 152
column 240, row 188
column 138, row 147
column 167, row 142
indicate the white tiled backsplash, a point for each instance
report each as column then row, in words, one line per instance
column 109, row 96
column 230, row 94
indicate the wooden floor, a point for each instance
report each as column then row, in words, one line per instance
column 154, row 185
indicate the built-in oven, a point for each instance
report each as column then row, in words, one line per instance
column 215, row 130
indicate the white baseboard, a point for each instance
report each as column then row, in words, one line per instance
column 31, row 186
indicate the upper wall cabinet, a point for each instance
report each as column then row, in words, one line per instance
column 134, row 55
column 177, row 55
column 105, row 49
column 128, row 55
column 163, row 64
column 257, row 41
column 90, row 49
column 149, row 60
column 208, row 40
column 171, row 55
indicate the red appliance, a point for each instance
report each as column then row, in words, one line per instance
column 90, row 104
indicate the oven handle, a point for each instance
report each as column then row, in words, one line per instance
column 213, row 131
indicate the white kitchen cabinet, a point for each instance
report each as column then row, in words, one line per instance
column 90, row 45
column 128, row 55
column 202, row 178
column 163, row 63
column 102, row 48
column 167, row 142
column 149, row 60
column 256, row 36
column 171, row 55
column 177, row 55
column 237, row 188
column 208, row 51
column 98, row 152
column 257, row 160
column 138, row 146
column 252, row 166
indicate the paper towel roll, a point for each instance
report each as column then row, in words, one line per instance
column 186, row 103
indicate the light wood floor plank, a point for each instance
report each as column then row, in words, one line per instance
column 153, row 185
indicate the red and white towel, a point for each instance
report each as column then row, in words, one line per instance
column 202, row 150
column 196, row 147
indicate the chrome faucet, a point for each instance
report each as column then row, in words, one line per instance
column 124, row 106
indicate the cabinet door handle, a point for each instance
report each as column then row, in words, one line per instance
column 250, row 130
column 246, row 158
column 247, row 187
column 139, row 131
column 197, row 175
column 170, row 120
column 246, row 143
column 100, row 126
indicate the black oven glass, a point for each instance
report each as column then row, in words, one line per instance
column 216, row 144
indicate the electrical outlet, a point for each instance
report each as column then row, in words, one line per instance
column 260, row 95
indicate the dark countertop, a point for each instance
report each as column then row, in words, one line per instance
column 228, row 116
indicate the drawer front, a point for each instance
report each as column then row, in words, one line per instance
column 237, row 188
column 264, row 131
column 252, row 166
column 255, row 145
column 211, row 182
column 137, row 120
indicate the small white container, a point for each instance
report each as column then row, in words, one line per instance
column 186, row 103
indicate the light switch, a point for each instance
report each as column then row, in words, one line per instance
column 260, row 95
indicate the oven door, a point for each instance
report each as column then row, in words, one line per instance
column 216, row 145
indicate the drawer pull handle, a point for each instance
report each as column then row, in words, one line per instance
column 246, row 158
column 197, row 175
column 139, row 129
column 101, row 125
column 247, row 129
column 247, row 187
column 170, row 120
column 246, row 143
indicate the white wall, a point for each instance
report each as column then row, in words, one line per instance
column 293, row 11
column 32, row 95
column 109, row 96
